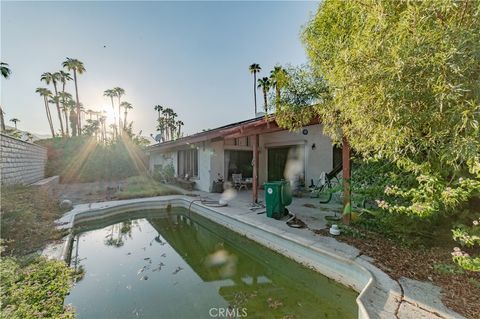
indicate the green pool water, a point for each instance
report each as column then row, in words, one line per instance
column 177, row 265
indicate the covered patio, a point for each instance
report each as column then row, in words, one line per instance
column 307, row 209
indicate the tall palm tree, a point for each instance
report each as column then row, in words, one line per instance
column 278, row 79
column 15, row 121
column 179, row 128
column 119, row 92
column 64, row 77
column 65, row 98
column 161, row 125
column 46, row 93
column 70, row 107
column 77, row 67
column 264, row 84
column 5, row 70
column 126, row 106
column 111, row 94
column 254, row 69
column 53, row 78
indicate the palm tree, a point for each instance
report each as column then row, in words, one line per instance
column 46, row 93
column 278, row 79
column 179, row 127
column 5, row 70
column 111, row 93
column 126, row 106
column 119, row 92
column 161, row 126
column 70, row 107
column 64, row 98
column 15, row 121
column 254, row 69
column 53, row 78
column 264, row 84
column 64, row 77
column 77, row 67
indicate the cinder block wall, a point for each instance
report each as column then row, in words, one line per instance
column 21, row 162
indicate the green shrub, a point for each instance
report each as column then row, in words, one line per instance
column 35, row 291
column 144, row 186
column 82, row 159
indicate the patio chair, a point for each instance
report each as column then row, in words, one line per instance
column 238, row 182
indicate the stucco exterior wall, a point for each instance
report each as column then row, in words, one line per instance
column 21, row 162
column 315, row 160
column 211, row 155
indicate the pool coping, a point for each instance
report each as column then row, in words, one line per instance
column 379, row 295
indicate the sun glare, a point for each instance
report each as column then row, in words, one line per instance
column 111, row 116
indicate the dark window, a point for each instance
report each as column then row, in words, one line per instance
column 188, row 163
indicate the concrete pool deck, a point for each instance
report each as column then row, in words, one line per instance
column 380, row 296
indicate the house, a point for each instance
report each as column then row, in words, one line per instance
column 299, row 156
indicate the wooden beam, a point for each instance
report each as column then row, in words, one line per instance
column 347, row 201
column 255, row 169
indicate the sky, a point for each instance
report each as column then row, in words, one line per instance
column 190, row 56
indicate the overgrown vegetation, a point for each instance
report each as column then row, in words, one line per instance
column 36, row 290
column 28, row 216
column 144, row 186
column 400, row 80
column 32, row 287
column 82, row 159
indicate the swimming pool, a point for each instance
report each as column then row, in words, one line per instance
column 159, row 264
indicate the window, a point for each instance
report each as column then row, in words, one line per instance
column 188, row 163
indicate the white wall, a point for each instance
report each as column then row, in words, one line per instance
column 169, row 157
column 211, row 155
column 317, row 160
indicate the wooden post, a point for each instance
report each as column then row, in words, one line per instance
column 255, row 169
column 347, row 201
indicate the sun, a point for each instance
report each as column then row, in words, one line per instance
column 111, row 115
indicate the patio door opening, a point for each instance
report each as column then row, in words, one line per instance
column 286, row 163
column 238, row 162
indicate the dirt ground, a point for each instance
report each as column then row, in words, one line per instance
column 81, row 193
column 460, row 289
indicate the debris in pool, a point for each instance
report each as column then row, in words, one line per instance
column 144, row 248
column 148, row 258
column 163, row 255
column 160, row 265
column 144, row 278
column 177, row 270
column 141, row 270
column 129, row 253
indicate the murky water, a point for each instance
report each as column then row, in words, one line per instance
column 174, row 266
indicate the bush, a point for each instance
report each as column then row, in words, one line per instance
column 28, row 216
column 143, row 186
column 35, row 291
column 82, row 159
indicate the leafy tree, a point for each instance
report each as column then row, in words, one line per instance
column 301, row 90
column 254, row 69
column 404, row 84
column 78, row 68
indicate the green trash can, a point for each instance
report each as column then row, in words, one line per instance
column 277, row 196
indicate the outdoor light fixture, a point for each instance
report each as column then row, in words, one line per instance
column 314, row 146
